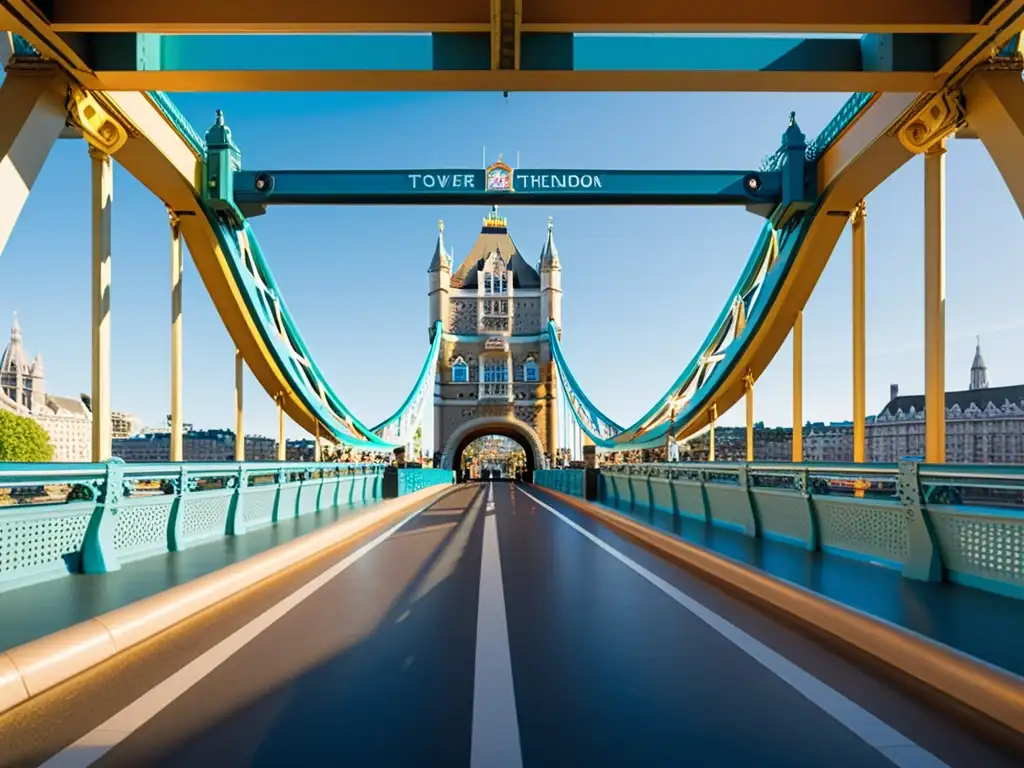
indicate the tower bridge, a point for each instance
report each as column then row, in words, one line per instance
column 634, row 613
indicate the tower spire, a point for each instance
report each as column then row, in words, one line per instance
column 441, row 258
column 979, row 372
column 549, row 255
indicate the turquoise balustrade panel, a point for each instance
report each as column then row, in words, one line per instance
column 411, row 480
column 569, row 481
column 931, row 522
column 61, row 519
column 977, row 514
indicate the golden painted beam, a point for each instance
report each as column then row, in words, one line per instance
column 1000, row 27
column 862, row 159
column 269, row 16
column 748, row 384
column 798, row 388
column 163, row 162
column 513, row 80
column 859, row 330
column 102, row 205
column 935, row 304
column 995, row 114
column 239, row 407
column 33, row 116
column 177, row 416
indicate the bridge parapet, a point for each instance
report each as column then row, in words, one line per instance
column 59, row 519
column 964, row 523
column 405, row 480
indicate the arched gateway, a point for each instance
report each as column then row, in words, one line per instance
column 495, row 374
column 466, row 433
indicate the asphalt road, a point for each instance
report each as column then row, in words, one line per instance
column 496, row 628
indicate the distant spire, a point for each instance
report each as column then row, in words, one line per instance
column 549, row 255
column 15, row 329
column 441, row 258
column 979, row 373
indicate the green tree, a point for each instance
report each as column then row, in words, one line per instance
column 417, row 441
column 22, row 439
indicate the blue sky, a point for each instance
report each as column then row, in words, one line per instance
column 641, row 285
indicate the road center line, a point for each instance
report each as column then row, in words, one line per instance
column 109, row 734
column 892, row 744
column 495, row 741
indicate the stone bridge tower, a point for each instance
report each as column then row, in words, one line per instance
column 495, row 372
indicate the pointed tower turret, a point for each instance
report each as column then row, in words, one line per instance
column 439, row 277
column 979, row 373
column 442, row 259
column 550, row 280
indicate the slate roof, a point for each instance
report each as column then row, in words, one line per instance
column 980, row 397
column 493, row 237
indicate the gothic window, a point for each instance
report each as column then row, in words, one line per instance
column 496, row 284
column 495, row 372
column 460, row 371
column 531, row 372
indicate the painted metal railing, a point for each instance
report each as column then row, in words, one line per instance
column 958, row 522
column 400, row 482
column 58, row 519
column 570, row 481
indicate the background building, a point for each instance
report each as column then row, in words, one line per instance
column 983, row 424
column 68, row 420
column 494, row 373
column 154, row 445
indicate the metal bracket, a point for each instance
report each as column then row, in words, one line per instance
column 940, row 117
column 101, row 129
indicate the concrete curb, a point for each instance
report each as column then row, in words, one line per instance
column 28, row 670
column 994, row 693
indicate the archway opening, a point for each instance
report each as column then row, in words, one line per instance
column 494, row 452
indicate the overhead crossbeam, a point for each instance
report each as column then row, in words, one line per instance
column 479, row 61
column 530, row 187
column 793, row 16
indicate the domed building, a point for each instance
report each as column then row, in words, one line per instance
column 68, row 420
column 495, row 374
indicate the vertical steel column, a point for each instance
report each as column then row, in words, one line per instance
column 316, row 442
column 239, row 407
column 859, row 331
column 177, row 424
column 102, row 201
column 798, row 388
column 748, row 386
column 935, row 303
column 713, row 417
column 281, row 453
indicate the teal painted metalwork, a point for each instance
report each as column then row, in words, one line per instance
column 930, row 522
column 256, row 189
column 399, row 425
column 419, row 52
column 835, row 127
column 58, row 519
column 570, row 481
column 178, row 121
column 401, row 481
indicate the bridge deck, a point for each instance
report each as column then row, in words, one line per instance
column 40, row 609
column 489, row 630
column 982, row 624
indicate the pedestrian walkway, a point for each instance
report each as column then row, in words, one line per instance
column 36, row 610
column 982, row 624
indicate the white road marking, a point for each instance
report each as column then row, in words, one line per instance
column 495, row 740
column 899, row 750
column 108, row 735
column 490, row 497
